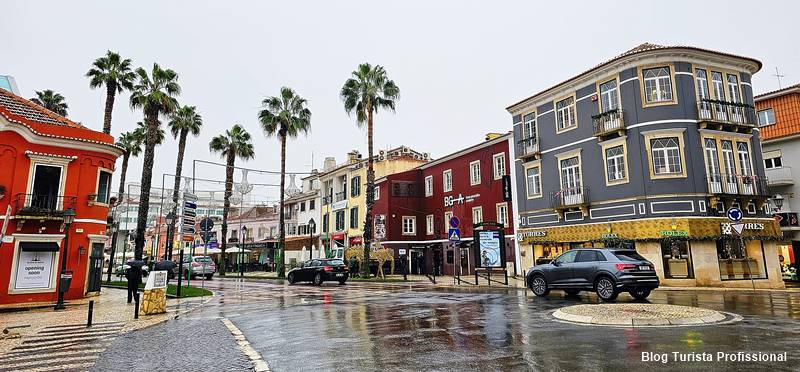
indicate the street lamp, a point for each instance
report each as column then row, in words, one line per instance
column 170, row 226
column 311, row 226
column 114, row 229
column 69, row 218
column 778, row 201
column 243, row 230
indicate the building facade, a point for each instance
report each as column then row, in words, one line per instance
column 649, row 150
column 51, row 166
column 413, row 208
column 779, row 122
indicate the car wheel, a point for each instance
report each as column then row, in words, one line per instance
column 341, row 282
column 640, row 293
column 186, row 275
column 290, row 278
column 572, row 292
column 605, row 289
column 538, row 286
column 209, row 276
column 318, row 279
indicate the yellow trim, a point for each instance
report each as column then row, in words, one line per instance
column 663, row 133
column 671, row 66
column 620, row 141
column 614, row 77
column 574, row 112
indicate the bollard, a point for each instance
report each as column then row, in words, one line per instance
column 136, row 306
column 89, row 318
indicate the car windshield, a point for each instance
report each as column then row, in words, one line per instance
column 629, row 256
column 333, row 262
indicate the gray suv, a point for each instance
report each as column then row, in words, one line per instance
column 606, row 271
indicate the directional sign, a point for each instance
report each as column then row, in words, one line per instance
column 454, row 234
column 735, row 214
column 206, row 224
column 454, row 222
column 189, row 197
column 189, row 205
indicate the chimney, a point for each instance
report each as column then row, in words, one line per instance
column 491, row 135
column 353, row 156
column 330, row 163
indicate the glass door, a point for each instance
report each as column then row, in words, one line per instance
column 571, row 192
column 729, row 178
column 712, row 166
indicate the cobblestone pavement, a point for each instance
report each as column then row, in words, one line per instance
column 394, row 327
column 59, row 340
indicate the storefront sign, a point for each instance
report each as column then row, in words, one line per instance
column 675, row 234
column 609, row 236
column 380, row 226
column 341, row 204
column 531, row 234
column 451, row 200
column 34, row 270
column 727, row 228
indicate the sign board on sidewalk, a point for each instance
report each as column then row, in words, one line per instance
column 402, row 251
column 156, row 279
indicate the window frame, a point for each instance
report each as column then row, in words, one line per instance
column 49, row 162
column 344, row 220
column 576, row 153
column 600, row 84
column 447, row 175
column 428, row 185
column 478, row 209
column 497, row 208
column 100, row 171
column 413, row 225
column 526, row 132
column 526, row 167
column 495, row 157
column 355, row 186
column 447, row 216
column 641, row 70
column 475, row 177
column 354, row 219
column 607, row 145
column 377, row 190
column 766, row 110
column 571, row 109
column 665, row 133
column 429, row 222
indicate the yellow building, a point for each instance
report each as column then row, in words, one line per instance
column 344, row 193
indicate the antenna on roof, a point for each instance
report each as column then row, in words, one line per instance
column 779, row 76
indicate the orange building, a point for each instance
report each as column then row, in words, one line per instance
column 48, row 165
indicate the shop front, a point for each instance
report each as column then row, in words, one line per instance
column 708, row 252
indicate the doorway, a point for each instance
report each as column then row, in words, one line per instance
column 95, row 267
column 46, row 187
column 418, row 266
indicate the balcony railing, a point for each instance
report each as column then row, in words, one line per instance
column 608, row 122
column 780, row 176
column 726, row 112
column 528, row 146
column 42, row 205
column 569, row 197
column 339, row 196
column 738, row 184
column 327, row 199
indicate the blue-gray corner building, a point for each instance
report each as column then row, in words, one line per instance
column 649, row 150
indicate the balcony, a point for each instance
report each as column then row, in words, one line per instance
column 572, row 197
column 327, row 199
column 528, row 147
column 611, row 121
column 738, row 184
column 339, row 196
column 726, row 113
column 42, row 206
column 780, row 176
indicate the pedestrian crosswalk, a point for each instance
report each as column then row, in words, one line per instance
column 71, row 347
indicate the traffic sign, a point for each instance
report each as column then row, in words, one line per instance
column 189, row 197
column 189, row 205
column 735, row 214
column 738, row 227
column 454, row 222
column 206, row 224
column 454, row 234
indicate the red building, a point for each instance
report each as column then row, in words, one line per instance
column 413, row 208
column 48, row 165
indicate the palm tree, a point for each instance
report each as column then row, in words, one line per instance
column 363, row 94
column 52, row 101
column 141, row 132
column 287, row 116
column 235, row 143
column 155, row 95
column 131, row 144
column 116, row 74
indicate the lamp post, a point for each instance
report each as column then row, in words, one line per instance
column 243, row 230
column 114, row 229
column 69, row 218
column 778, row 201
column 311, row 226
column 170, row 227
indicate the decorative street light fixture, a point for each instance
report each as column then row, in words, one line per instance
column 241, row 250
column 312, row 225
column 778, row 201
column 170, row 219
column 65, row 278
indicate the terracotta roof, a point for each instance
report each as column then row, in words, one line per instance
column 24, row 108
column 776, row 92
column 785, row 104
column 641, row 48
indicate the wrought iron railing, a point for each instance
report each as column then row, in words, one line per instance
column 738, row 184
column 571, row 196
column 36, row 204
column 609, row 121
column 528, row 146
column 726, row 112
column 339, row 196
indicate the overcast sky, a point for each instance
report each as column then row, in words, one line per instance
column 458, row 63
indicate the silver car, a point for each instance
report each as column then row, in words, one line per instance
column 194, row 266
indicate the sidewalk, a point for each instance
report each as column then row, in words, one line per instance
column 110, row 307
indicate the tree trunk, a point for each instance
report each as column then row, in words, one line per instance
column 178, row 169
column 370, row 198
column 151, row 118
column 111, row 93
column 121, row 193
column 282, row 228
column 226, row 206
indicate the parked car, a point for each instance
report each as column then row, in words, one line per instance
column 318, row 271
column 606, row 271
column 195, row 266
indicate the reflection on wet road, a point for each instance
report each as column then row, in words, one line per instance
column 369, row 327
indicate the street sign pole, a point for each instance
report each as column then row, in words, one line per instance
column 735, row 215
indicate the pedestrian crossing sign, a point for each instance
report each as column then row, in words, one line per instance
column 454, row 235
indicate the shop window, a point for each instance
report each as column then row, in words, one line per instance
column 677, row 258
column 740, row 260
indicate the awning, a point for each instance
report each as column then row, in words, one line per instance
column 39, row 246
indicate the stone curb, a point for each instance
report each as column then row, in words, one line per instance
column 603, row 320
column 259, row 364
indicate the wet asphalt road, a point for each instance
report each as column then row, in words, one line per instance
column 370, row 327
